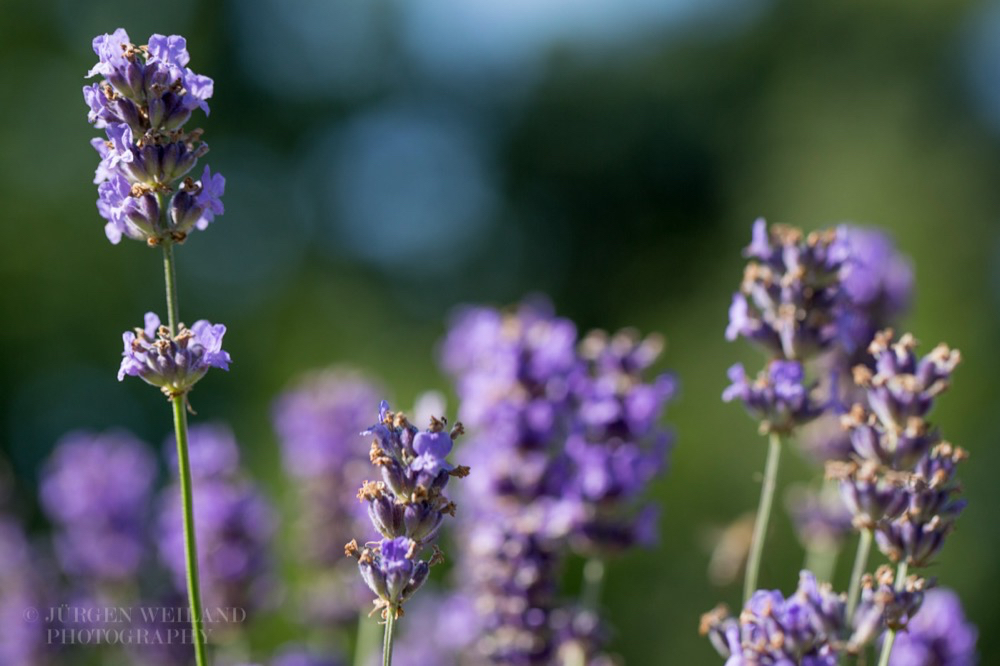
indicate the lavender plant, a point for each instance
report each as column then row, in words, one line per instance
column 407, row 507
column 145, row 96
column 568, row 437
column 896, row 475
column 789, row 303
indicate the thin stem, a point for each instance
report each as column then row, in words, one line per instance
column 593, row 583
column 763, row 515
column 190, row 545
column 860, row 564
column 366, row 640
column 184, row 470
column 170, row 278
column 390, row 619
column 890, row 635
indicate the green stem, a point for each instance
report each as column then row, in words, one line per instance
column 763, row 515
column 593, row 583
column 170, row 279
column 860, row 564
column 179, row 403
column 190, row 545
column 890, row 635
column 390, row 619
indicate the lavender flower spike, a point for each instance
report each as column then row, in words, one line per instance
column 174, row 363
column 790, row 297
column 146, row 96
column 778, row 398
column 407, row 507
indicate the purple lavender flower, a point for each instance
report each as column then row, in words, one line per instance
column 409, row 501
column 778, row 398
column 234, row 526
column 877, row 283
column 790, row 296
column 810, row 628
column 96, row 489
column 870, row 492
column 392, row 570
column 885, row 604
column 933, row 505
column 938, row 635
column 174, row 363
column 903, row 387
column 407, row 507
column 147, row 95
column 617, row 445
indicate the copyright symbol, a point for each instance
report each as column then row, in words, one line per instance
column 31, row 614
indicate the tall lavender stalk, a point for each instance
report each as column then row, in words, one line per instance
column 407, row 507
column 789, row 304
column 146, row 95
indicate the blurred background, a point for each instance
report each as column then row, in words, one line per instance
column 387, row 161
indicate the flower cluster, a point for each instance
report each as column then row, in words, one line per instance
column 567, row 433
column 173, row 363
column 146, row 95
column 407, row 507
column 810, row 627
column 616, row 445
column 902, row 482
column 234, row 524
column 97, row 490
column 789, row 303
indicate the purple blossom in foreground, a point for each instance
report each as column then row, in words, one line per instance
column 900, row 393
column 407, row 506
column 96, row 489
column 790, row 297
column 317, row 422
column 174, row 363
column 146, row 95
column 810, row 628
column 938, row 635
column 392, row 570
column 778, row 398
column 234, row 526
column 933, row 504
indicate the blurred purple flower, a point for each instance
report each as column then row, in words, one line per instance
column 938, row 635
column 234, row 526
column 96, row 489
column 778, row 398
